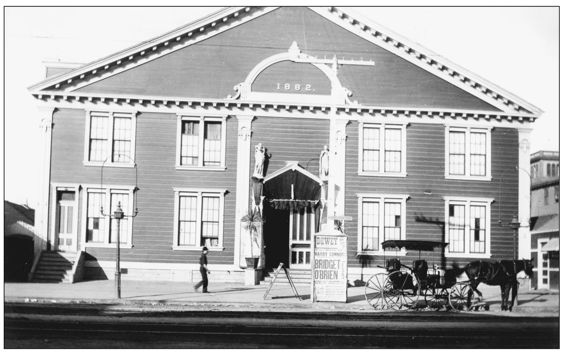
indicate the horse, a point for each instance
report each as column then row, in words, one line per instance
column 502, row 273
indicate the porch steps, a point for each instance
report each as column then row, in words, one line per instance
column 54, row 267
column 299, row 277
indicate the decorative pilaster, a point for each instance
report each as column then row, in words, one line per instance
column 524, row 189
column 242, row 183
column 337, row 175
column 42, row 212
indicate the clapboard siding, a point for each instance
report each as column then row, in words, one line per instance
column 157, row 176
column 289, row 139
column 211, row 68
column 425, row 171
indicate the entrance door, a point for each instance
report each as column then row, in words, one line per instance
column 543, row 264
column 65, row 221
column 301, row 231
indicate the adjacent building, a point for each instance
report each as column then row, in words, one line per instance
column 304, row 114
column 545, row 219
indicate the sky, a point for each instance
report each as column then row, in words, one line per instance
column 513, row 47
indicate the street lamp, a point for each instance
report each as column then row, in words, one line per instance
column 118, row 215
column 515, row 224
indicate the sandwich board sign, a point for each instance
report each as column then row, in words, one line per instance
column 330, row 267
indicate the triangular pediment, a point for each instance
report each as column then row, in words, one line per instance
column 208, row 58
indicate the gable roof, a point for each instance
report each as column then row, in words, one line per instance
column 229, row 17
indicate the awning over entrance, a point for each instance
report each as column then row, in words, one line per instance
column 552, row 245
column 545, row 224
column 292, row 187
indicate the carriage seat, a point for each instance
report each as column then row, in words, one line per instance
column 393, row 265
column 420, row 268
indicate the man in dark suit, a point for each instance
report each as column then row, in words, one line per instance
column 203, row 271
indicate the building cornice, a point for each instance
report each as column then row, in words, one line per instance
column 238, row 107
column 228, row 18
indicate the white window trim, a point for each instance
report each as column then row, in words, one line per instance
column 64, row 187
column 467, row 130
column 199, row 192
column 467, row 202
column 201, row 119
column 382, row 127
column 84, row 215
column 108, row 162
column 382, row 198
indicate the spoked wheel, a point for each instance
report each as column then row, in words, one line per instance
column 435, row 298
column 459, row 293
column 404, row 292
column 375, row 291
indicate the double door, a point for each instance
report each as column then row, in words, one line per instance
column 302, row 227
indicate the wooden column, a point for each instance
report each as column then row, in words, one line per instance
column 242, row 183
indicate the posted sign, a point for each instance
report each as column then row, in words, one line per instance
column 330, row 268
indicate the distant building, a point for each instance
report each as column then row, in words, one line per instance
column 545, row 219
column 19, row 235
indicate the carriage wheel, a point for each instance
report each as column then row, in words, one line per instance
column 375, row 290
column 404, row 290
column 459, row 296
column 435, row 298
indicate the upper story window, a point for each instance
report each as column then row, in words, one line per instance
column 110, row 139
column 468, row 153
column 380, row 218
column 201, row 142
column 382, row 149
column 99, row 229
column 468, row 226
column 199, row 219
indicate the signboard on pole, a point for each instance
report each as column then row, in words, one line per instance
column 330, row 267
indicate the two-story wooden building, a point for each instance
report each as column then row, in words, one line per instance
column 416, row 147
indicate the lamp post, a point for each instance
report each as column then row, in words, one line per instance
column 515, row 224
column 118, row 215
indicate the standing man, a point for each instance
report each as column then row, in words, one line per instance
column 203, row 271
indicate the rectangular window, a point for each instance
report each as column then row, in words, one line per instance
column 382, row 149
column 468, row 153
column 201, row 142
column 110, row 139
column 101, row 228
column 468, row 226
column 380, row 218
column 198, row 218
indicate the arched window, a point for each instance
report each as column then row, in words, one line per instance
column 554, row 170
column 548, row 169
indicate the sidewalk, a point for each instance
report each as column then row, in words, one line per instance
column 237, row 297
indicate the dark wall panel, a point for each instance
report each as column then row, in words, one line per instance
column 157, row 176
column 425, row 173
column 211, row 68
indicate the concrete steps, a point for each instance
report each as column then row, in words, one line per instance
column 54, row 267
column 299, row 277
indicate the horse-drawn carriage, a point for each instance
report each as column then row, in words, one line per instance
column 411, row 287
column 418, row 286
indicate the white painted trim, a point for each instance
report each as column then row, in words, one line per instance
column 539, row 269
column 110, row 138
column 382, row 198
column 160, row 265
column 242, row 183
column 198, row 107
column 107, row 189
column 53, row 231
column 524, row 192
column 423, row 58
column 42, row 213
column 382, row 127
column 467, row 130
column 467, row 202
column 163, row 44
column 202, row 118
column 199, row 193
column 545, row 231
column 295, row 167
